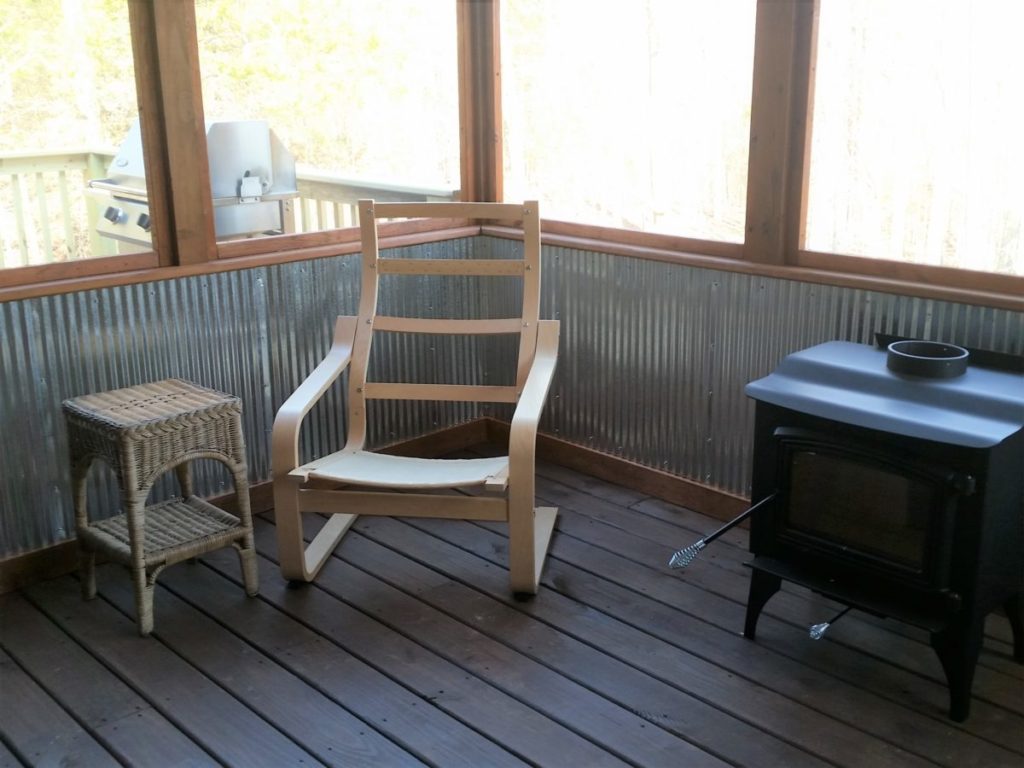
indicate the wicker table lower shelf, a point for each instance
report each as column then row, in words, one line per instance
column 175, row 530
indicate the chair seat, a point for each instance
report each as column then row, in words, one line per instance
column 380, row 469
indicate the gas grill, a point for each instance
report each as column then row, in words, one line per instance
column 252, row 180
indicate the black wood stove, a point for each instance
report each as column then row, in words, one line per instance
column 895, row 494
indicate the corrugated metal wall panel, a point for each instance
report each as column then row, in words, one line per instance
column 256, row 333
column 654, row 356
column 653, row 361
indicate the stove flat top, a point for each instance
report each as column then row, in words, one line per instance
column 850, row 383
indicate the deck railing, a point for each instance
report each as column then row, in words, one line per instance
column 46, row 217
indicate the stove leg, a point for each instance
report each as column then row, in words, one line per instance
column 762, row 587
column 958, row 646
column 1014, row 607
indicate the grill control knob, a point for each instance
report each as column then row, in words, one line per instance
column 143, row 221
column 113, row 214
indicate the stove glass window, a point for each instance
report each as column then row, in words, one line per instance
column 879, row 512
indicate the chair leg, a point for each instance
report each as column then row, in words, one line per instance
column 184, row 474
column 144, row 588
column 87, row 572
column 250, row 577
column 529, row 533
column 299, row 562
column 247, row 546
column 86, row 556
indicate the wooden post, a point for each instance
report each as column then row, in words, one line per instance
column 480, row 99
column 779, row 128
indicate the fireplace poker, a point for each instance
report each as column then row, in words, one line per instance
column 685, row 556
column 817, row 631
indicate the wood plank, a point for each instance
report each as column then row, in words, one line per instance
column 209, row 715
column 577, row 571
column 37, row 729
column 672, row 711
column 621, row 732
column 411, row 720
column 740, row 719
column 321, row 726
column 481, row 705
column 793, row 604
column 997, row 652
column 8, row 758
column 647, row 546
column 133, row 731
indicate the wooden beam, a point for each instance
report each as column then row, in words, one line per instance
column 177, row 51
column 779, row 124
column 480, row 132
column 142, row 22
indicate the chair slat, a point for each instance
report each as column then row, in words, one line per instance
column 493, row 211
column 513, row 267
column 446, row 325
column 379, row 390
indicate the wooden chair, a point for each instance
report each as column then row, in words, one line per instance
column 340, row 484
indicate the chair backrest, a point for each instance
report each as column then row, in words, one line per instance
column 369, row 321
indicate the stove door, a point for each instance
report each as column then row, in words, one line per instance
column 865, row 507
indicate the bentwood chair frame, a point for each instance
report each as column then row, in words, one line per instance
column 355, row 481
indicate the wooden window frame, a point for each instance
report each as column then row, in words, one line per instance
column 166, row 53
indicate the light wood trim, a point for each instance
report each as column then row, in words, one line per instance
column 284, row 440
column 492, row 267
column 449, row 392
column 373, row 503
column 531, row 291
column 480, row 118
column 472, row 210
column 447, row 326
column 188, row 169
column 778, row 119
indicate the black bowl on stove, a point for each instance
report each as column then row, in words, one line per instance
column 929, row 359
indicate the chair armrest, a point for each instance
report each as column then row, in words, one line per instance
column 523, row 431
column 284, row 440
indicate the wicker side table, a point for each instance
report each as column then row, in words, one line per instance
column 143, row 432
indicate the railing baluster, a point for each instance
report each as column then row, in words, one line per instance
column 19, row 216
column 66, row 216
column 44, row 218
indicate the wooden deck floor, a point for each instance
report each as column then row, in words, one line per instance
column 408, row 650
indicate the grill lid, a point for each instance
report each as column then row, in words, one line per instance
column 850, row 383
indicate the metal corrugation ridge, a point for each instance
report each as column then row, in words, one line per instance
column 654, row 357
